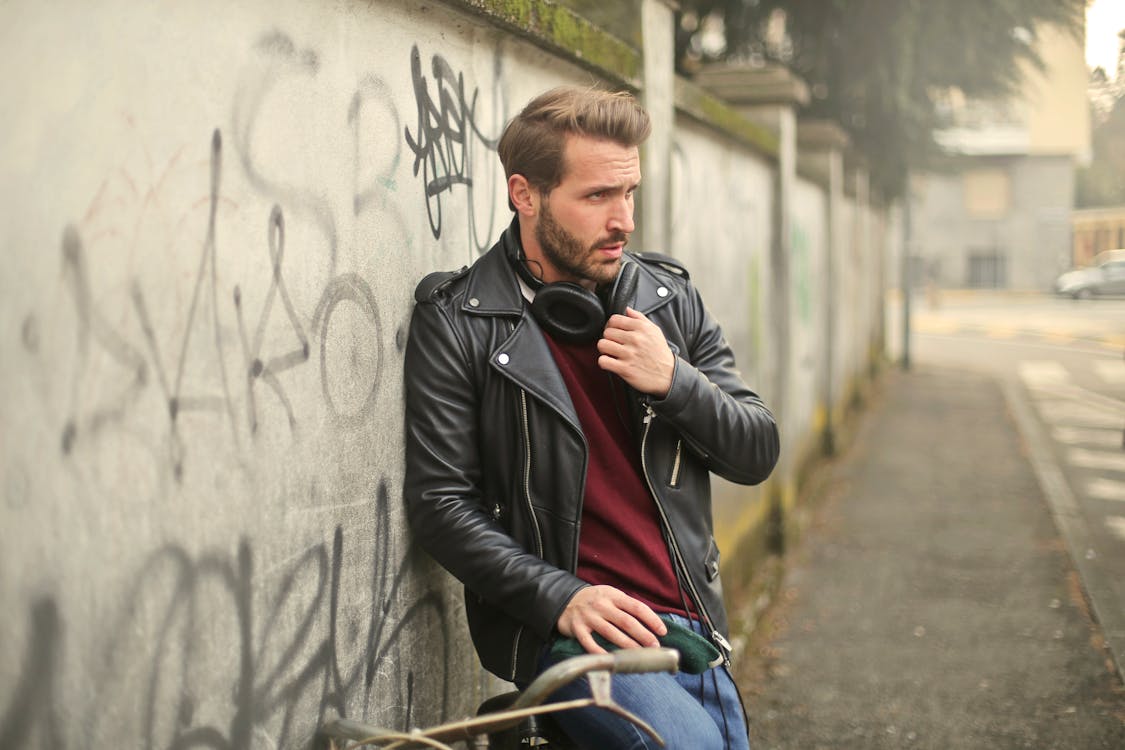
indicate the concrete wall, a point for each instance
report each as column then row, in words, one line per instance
column 725, row 242
column 214, row 217
column 807, row 276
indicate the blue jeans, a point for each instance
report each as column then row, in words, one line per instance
column 690, row 711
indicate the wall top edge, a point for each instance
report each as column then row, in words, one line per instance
column 704, row 107
column 741, row 83
column 813, row 174
column 563, row 32
column 821, row 134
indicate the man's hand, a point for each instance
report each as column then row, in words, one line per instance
column 634, row 348
column 616, row 616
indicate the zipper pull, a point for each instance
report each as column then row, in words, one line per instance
column 724, row 647
column 649, row 413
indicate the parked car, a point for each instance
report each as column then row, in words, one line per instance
column 1105, row 276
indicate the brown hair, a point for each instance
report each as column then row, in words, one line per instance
column 532, row 143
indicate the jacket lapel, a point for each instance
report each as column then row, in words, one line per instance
column 523, row 357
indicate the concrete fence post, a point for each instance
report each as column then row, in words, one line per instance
column 770, row 96
column 826, row 141
column 658, row 96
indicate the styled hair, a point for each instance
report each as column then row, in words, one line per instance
column 532, row 142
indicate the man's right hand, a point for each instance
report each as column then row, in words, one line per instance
column 613, row 614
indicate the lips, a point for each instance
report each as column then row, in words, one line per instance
column 613, row 245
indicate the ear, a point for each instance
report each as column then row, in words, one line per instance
column 522, row 195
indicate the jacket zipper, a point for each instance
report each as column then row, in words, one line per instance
column 530, row 511
column 716, row 636
column 527, row 473
column 676, row 464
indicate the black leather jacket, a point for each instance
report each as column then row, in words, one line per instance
column 496, row 459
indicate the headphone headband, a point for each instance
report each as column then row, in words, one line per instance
column 570, row 312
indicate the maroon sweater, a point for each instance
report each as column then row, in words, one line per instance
column 619, row 542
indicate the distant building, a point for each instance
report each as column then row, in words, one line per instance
column 999, row 216
column 1096, row 230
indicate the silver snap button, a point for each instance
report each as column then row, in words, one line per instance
column 662, row 291
column 474, row 302
column 503, row 359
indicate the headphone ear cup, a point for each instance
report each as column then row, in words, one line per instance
column 624, row 291
column 569, row 313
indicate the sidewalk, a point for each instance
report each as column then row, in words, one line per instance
column 932, row 602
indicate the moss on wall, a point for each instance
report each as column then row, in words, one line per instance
column 562, row 30
column 714, row 112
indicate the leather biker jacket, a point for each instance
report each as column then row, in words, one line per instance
column 496, row 458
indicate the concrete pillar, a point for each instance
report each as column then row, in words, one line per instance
column 770, row 96
column 825, row 141
column 658, row 31
column 872, row 299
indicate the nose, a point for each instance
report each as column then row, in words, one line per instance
column 621, row 216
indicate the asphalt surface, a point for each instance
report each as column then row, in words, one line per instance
column 932, row 602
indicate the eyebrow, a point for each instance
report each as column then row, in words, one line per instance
column 605, row 188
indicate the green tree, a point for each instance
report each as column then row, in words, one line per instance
column 880, row 67
column 1102, row 182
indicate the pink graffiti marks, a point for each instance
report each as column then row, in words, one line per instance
column 205, row 345
column 94, row 329
column 444, row 140
column 176, row 398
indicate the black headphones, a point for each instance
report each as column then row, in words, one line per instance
column 572, row 313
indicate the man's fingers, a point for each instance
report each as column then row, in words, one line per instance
column 631, row 321
column 631, row 623
column 618, row 618
column 589, row 644
column 651, row 621
column 629, row 633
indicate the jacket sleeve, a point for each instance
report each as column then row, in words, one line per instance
column 444, row 488
column 717, row 414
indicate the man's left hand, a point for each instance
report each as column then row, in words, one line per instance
column 633, row 348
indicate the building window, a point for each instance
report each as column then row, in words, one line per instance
column 988, row 193
column 988, row 269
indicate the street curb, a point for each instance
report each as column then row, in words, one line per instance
column 1071, row 524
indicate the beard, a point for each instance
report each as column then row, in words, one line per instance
column 570, row 257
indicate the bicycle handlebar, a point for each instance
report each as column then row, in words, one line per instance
column 635, row 660
column 623, row 661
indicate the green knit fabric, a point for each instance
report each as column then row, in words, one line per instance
column 697, row 654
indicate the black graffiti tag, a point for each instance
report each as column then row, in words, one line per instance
column 444, row 139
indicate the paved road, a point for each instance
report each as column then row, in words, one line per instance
column 935, row 602
column 1062, row 368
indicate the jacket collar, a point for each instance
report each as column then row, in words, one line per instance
column 492, row 287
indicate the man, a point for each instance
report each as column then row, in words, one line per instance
column 562, row 476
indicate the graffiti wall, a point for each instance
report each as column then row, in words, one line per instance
column 214, row 217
